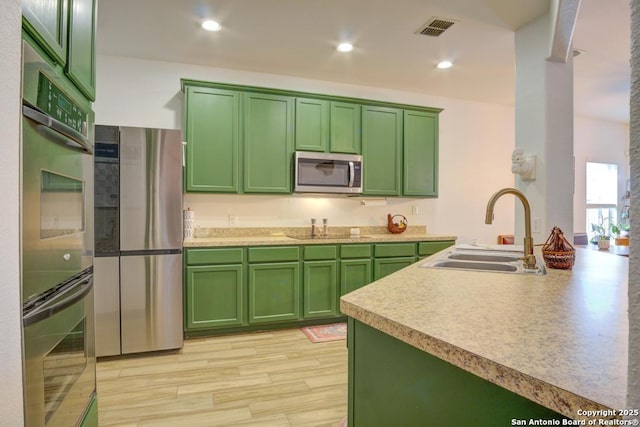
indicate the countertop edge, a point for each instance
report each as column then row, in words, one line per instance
column 284, row 240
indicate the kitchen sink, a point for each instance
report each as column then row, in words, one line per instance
column 329, row 237
column 482, row 257
column 495, row 260
column 488, row 266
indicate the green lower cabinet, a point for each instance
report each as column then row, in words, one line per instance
column 320, row 288
column 384, row 266
column 354, row 274
column 392, row 383
column 215, row 296
column 274, row 292
column 90, row 418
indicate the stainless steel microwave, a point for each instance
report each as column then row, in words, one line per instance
column 327, row 173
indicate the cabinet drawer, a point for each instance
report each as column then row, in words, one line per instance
column 355, row 251
column 277, row 254
column 395, row 250
column 430, row 248
column 214, row 256
column 320, row 252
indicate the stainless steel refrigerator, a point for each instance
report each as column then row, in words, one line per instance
column 138, row 235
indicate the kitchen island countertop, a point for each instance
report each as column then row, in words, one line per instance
column 558, row 339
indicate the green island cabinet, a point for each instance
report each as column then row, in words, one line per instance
column 356, row 267
column 215, row 290
column 274, row 284
column 268, row 143
column 382, row 151
column 212, row 133
column 66, row 30
column 327, row 126
column 90, row 418
column 392, row 383
column 320, row 281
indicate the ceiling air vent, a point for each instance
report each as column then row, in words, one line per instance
column 435, row 26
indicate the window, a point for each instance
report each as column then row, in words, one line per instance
column 602, row 196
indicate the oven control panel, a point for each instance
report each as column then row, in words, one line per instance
column 57, row 104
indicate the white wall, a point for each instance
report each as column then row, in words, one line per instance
column 10, row 307
column 475, row 151
column 602, row 142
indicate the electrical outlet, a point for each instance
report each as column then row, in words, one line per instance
column 233, row 220
column 415, row 210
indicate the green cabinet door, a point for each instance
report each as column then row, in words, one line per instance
column 384, row 266
column 274, row 292
column 46, row 22
column 213, row 140
column 214, row 296
column 345, row 128
column 90, row 418
column 354, row 274
column 268, row 143
column 320, row 289
column 420, row 153
column 81, row 60
column 312, row 125
column 382, row 151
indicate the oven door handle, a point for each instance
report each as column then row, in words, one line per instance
column 81, row 289
column 78, row 140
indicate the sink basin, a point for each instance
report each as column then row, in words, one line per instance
column 477, row 266
column 482, row 257
column 477, row 259
column 331, row 236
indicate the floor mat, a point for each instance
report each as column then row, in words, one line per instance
column 324, row 333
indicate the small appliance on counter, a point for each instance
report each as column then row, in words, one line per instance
column 138, row 239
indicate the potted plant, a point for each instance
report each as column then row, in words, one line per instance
column 601, row 236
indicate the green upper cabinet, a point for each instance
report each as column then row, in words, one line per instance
column 81, row 63
column 382, row 150
column 345, row 128
column 46, row 22
column 420, row 154
column 268, row 143
column 312, row 125
column 213, row 140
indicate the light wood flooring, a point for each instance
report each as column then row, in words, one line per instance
column 276, row 378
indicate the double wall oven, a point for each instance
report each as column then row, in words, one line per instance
column 57, row 248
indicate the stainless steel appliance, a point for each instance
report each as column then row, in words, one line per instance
column 138, row 265
column 327, row 173
column 57, row 247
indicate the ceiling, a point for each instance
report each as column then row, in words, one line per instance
column 298, row 38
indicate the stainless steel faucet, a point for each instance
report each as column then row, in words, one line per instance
column 529, row 259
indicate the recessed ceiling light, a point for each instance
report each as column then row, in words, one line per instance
column 443, row 65
column 210, row 25
column 345, row 47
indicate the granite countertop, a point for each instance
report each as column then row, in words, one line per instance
column 558, row 339
column 301, row 236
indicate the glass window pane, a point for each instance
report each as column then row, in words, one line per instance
column 602, row 183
